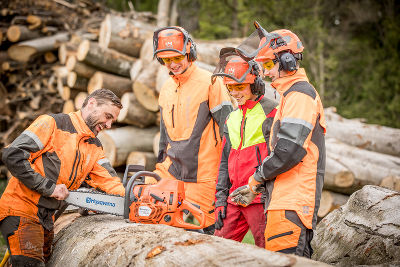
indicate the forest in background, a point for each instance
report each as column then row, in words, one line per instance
column 351, row 47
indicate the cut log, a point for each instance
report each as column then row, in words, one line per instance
column 368, row 167
column 77, row 82
column 146, row 52
column 49, row 57
column 134, row 113
column 70, row 62
column 365, row 231
column 65, row 50
column 161, row 78
column 19, row 33
column 337, row 175
column 105, row 59
column 146, row 159
column 156, row 144
column 83, row 70
column 208, row 51
column 24, row 50
column 68, row 106
column 136, row 69
column 79, row 99
column 330, row 201
column 144, row 87
column 34, row 21
column 100, row 240
column 119, row 142
column 367, row 136
column 119, row 85
column 124, row 35
column 391, row 182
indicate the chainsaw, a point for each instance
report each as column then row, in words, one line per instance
column 160, row 203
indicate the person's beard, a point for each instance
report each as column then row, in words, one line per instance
column 91, row 122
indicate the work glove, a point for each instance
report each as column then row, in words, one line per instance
column 220, row 214
column 244, row 195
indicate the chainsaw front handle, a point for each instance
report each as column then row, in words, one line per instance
column 197, row 213
column 128, row 188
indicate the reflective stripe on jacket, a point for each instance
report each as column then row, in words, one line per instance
column 54, row 149
column 246, row 137
column 297, row 143
column 192, row 111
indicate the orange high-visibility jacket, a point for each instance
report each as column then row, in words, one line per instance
column 54, row 149
column 193, row 112
column 297, row 142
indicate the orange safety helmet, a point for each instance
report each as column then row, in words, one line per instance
column 286, row 41
column 171, row 42
column 236, row 70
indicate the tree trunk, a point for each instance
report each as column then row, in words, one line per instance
column 24, row 50
column 19, row 33
column 106, row 240
column 144, row 86
column 105, row 59
column 134, row 113
column 119, row 142
column 146, row 159
column 367, row 136
column 163, row 13
column 366, row 230
column 124, row 35
column 119, row 85
column 330, row 201
column 337, row 175
column 368, row 167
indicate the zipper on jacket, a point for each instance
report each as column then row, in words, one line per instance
column 172, row 115
column 244, row 127
column 258, row 154
column 75, row 167
column 215, row 132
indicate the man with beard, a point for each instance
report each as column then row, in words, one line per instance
column 56, row 153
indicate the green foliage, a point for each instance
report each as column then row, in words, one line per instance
column 248, row 238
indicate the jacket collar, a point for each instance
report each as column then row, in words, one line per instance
column 183, row 77
column 249, row 104
column 284, row 83
column 80, row 124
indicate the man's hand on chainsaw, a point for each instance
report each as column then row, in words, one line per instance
column 60, row 192
column 220, row 214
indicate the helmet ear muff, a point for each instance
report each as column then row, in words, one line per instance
column 193, row 52
column 258, row 87
column 287, row 62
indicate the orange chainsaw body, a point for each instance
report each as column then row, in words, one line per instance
column 163, row 203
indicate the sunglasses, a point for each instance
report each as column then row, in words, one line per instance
column 177, row 59
column 236, row 87
column 269, row 64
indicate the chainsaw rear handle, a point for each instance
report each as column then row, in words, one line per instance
column 131, row 168
column 128, row 188
column 197, row 213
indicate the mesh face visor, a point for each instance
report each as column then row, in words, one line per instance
column 172, row 39
column 232, row 68
column 249, row 48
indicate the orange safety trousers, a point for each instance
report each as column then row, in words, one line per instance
column 287, row 234
column 28, row 242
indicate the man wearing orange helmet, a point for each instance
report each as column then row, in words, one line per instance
column 193, row 112
column 245, row 145
column 294, row 171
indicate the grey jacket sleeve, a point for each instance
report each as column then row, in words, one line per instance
column 220, row 113
column 16, row 156
column 223, row 182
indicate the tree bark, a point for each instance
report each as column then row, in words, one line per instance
column 124, row 35
column 105, row 59
column 367, row 136
column 163, row 13
column 119, row 85
column 24, row 50
column 107, row 240
column 368, row 167
column 84, row 70
column 134, row 113
column 366, row 230
column 119, row 142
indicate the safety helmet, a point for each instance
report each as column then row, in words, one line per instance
column 285, row 41
column 236, row 70
column 173, row 41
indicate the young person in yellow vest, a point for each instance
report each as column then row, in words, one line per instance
column 193, row 112
column 245, row 145
column 294, row 170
